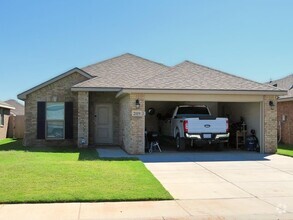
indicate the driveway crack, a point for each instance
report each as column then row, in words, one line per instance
column 176, row 200
column 78, row 217
column 274, row 168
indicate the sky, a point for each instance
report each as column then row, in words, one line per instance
column 41, row 39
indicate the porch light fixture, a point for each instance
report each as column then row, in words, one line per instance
column 137, row 104
column 271, row 104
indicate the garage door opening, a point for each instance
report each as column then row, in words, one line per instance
column 243, row 117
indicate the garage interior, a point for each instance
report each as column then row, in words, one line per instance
column 237, row 112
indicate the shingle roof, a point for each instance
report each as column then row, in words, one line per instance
column 120, row 72
column 128, row 71
column 19, row 108
column 132, row 72
column 5, row 105
column 188, row 75
column 285, row 83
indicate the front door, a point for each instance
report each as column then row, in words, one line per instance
column 104, row 125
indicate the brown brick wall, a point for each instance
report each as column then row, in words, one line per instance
column 60, row 89
column 132, row 128
column 124, row 122
column 82, row 119
column 270, row 125
column 286, row 108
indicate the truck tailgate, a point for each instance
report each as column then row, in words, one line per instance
column 196, row 125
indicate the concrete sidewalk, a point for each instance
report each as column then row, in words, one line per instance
column 161, row 210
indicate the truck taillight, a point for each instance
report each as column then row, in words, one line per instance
column 185, row 126
column 227, row 126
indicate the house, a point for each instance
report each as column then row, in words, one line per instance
column 16, row 119
column 285, row 109
column 18, row 107
column 4, row 116
column 105, row 103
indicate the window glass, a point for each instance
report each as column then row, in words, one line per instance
column 193, row 111
column 55, row 120
column 55, row 129
column 55, row 111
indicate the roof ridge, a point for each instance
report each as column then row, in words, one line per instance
column 121, row 55
column 290, row 75
column 113, row 58
column 148, row 60
column 229, row 74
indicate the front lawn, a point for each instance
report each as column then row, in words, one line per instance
column 286, row 150
column 42, row 174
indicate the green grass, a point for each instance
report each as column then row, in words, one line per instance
column 286, row 150
column 44, row 174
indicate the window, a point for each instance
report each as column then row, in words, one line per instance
column 1, row 116
column 193, row 111
column 55, row 120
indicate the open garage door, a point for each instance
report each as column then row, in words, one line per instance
column 243, row 116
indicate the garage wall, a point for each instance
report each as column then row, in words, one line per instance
column 132, row 135
column 270, row 125
column 249, row 111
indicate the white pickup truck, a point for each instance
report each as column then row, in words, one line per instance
column 194, row 123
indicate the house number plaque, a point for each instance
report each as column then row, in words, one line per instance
column 137, row 113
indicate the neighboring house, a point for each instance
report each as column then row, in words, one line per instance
column 16, row 119
column 285, row 109
column 4, row 116
column 19, row 108
column 105, row 103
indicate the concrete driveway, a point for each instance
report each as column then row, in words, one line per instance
column 227, row 184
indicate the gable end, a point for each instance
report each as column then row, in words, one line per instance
column 22, row 96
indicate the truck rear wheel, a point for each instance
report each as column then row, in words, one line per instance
column 180, row 143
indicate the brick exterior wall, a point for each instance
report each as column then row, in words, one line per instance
column 103, row 98
column 128, row 131
column 270, row 125
column 83, row 119
column 286, row 108
column 60, row 89
column 132, row 128
column 124, row 119
column 3, row 128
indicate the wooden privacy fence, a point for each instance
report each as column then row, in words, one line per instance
column 16, row 126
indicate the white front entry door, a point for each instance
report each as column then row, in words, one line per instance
column 104, row 124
